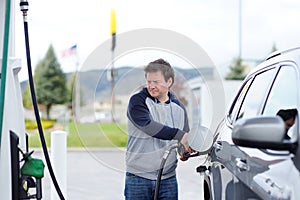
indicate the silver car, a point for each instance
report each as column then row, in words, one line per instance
column 255, row 152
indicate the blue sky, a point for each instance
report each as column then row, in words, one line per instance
column 213, row 24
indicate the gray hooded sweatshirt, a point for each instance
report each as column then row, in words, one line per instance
column 152, row 128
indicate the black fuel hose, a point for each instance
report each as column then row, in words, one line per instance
column 162, row 165
column 24, row 9
column 184, row 156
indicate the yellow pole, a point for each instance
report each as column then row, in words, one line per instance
column 113, row 22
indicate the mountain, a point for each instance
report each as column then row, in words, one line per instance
column 128, row 79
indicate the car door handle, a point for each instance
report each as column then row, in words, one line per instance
column 241, row 164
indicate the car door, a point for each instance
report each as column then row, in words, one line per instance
column 281, row 180
column 263, row 173
column 230, row 162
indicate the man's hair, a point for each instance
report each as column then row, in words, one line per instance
column 287, row 114
column 163, row 66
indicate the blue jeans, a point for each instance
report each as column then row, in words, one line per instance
column 138, row 188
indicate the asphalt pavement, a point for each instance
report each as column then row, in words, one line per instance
column 98, row 174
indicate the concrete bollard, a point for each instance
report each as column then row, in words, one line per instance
column 59, row 162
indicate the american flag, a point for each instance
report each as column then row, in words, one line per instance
column 70, row 51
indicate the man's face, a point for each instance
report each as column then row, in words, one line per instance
column 289, row 123
column 157, row 86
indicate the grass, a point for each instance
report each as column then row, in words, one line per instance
column 85, row 135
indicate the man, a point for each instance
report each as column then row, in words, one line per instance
column 289, row 117
column 156, row 120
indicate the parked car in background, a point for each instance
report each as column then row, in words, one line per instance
column 256, row 152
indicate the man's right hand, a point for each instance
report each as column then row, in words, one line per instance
column 184, row 142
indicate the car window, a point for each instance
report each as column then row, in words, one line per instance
column 283, row 98
column 240, row 97
column 256, row 94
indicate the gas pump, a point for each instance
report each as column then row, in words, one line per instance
column 19, row 176
column 28, row 176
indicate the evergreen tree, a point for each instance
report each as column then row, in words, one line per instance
column 50, row 82
column 274, row 48
column 237, row 71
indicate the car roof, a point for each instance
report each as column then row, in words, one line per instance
column 291, row 55
column 282, row 52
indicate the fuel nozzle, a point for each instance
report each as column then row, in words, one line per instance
column 185, row 155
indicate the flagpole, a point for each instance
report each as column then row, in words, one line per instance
column 112, row 72
column 72, row 51
column 77, row 91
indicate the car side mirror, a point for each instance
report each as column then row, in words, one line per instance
column 261, row 132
